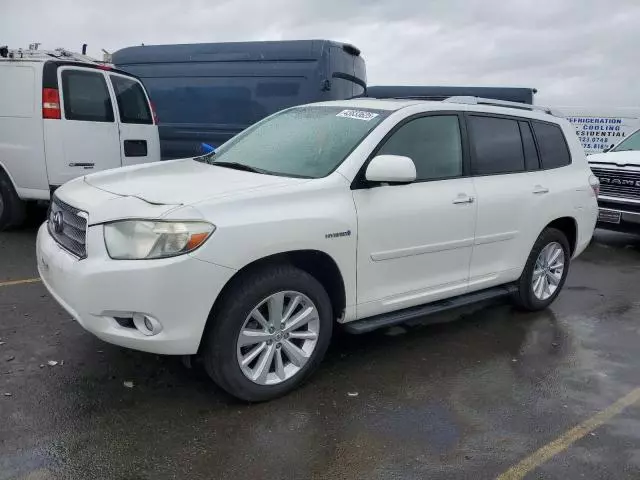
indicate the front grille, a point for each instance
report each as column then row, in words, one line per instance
column 623, row 207
column 68, row 226
column 618, row 183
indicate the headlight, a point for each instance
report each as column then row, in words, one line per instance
column 147, row 239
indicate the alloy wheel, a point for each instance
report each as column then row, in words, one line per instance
column 278, row 338
column 548, row 271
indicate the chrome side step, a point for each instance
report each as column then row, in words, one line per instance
column 394, row 318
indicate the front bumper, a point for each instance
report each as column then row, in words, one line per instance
column 628, row 214
column 178, row 292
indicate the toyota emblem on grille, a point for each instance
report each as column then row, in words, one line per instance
column 57, row 221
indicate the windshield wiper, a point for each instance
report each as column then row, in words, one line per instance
column 237, row 166
column 207, row 157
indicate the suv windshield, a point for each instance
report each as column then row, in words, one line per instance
column 308, row 141
column 631, row 143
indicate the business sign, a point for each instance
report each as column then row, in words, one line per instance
column 599, row 133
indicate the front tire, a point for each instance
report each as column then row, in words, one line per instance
column 545, row 271
column 269, row 333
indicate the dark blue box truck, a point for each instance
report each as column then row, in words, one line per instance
column 206, row 93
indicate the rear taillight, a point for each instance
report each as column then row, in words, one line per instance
column 153, row 112
column 595, row 184
column 50, row 103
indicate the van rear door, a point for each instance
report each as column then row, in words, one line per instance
column 85, row 137
column 139, row 139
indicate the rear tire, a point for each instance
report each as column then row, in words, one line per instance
column 533, row 293
column 235, row 318
column 12, row 209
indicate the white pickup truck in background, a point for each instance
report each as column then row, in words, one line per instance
column 611, row 139
column 619, row 173
column 63, row 115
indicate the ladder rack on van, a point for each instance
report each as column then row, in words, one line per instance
column 497, row 103
column 32, row 53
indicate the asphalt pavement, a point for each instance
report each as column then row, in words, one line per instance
column 494, row 391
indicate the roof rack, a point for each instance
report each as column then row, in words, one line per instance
column 497, row 103
column 32, row 53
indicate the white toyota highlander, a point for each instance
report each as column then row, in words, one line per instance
column 365, row 212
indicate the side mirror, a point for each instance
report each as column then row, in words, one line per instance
column 391, row 169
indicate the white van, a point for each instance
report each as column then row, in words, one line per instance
column 60, row 118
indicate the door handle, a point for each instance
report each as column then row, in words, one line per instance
column 462, row 198
column 539, row 189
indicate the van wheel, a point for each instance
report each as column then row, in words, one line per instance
column 545, row 271
column 269, row 334
column 12, row 209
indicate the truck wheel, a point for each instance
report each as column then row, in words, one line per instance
column 269, row 334
column 545, row 271
column 12, row 209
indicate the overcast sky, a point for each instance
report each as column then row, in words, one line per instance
column 581, row 52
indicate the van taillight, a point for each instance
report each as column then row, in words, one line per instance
column 153, row 112
column 50, row 103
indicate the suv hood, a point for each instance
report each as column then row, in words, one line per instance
column 620, row 159
column 182, row 182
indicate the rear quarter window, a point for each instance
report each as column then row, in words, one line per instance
column 552, row 145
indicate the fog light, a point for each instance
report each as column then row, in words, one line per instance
column 146, row 324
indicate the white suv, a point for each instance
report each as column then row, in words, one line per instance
column 364, row 212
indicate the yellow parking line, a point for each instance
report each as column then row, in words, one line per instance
column 563, row 442
column 19, row 282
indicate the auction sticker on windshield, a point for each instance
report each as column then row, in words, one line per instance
column 357, row 114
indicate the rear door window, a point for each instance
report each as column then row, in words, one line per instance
column 554, row 152
column 497, row 145
column 132, row 102
column 85, row 96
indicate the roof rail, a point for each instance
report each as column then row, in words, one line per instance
column 497, row 103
